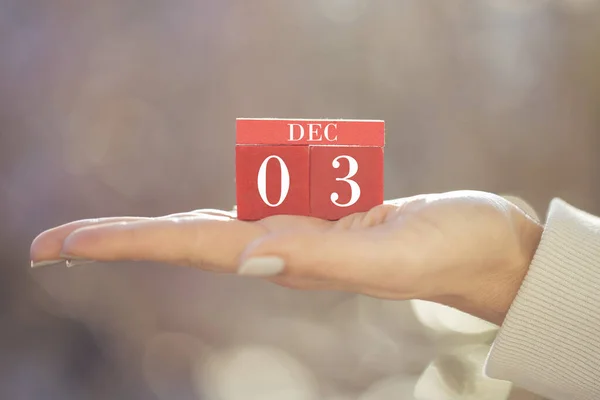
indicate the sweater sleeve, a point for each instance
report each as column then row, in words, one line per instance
column 549, row 343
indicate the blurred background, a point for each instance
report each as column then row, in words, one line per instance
column 128, row 107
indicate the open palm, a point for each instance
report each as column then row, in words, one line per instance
column 465, row 249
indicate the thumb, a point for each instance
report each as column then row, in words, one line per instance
column 312, row 254
column 523, row 205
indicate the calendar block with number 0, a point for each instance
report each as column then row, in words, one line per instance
column 321, row 168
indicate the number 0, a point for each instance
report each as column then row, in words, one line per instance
column 262, row 181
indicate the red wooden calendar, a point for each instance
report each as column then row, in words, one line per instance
column 321, row 168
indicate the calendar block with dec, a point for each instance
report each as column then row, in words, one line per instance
column 322, row 168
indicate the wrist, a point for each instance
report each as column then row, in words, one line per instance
column 490, row 296
column 495, row 307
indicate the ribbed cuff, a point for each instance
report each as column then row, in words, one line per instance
column 549, row 343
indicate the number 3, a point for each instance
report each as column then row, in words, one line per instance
column 354, row 187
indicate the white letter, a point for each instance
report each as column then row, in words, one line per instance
column 327, row 133
column 262, row 181
column 316, row 132
column 355, row 188
column 292, row 139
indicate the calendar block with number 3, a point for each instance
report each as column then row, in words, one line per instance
column 322, row 168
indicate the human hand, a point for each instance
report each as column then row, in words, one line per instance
column 469, row 250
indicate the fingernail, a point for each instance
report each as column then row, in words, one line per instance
column 262, row 266
column 78, row 261
column 37, row 264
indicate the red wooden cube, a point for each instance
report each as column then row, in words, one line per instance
column 345, row 180
column 323, row 168
column 272, row 180
column 304, row 132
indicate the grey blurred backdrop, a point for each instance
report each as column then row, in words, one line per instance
column 127, row 107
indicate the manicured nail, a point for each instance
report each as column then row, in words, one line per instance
column 262, row 266
column 78, row 261
column 37, row 264
column 72, row 257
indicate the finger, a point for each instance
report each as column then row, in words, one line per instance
column 185, row 241
column 45, row 248
column 204, row 211
column 212, row 211
column 411, row 199
column 345, row 258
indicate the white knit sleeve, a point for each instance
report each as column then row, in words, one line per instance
column 549, row 343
